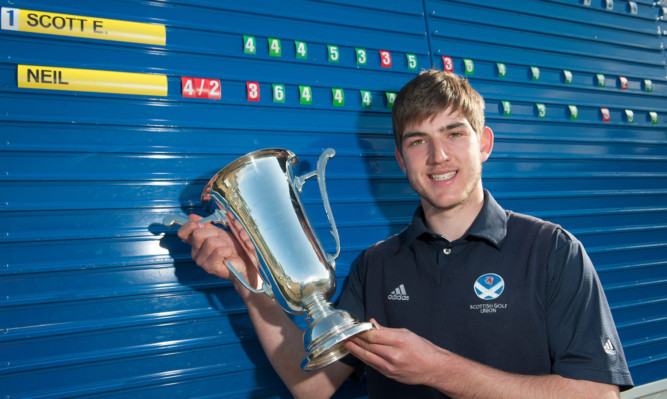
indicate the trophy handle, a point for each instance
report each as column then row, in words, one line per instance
column 218, row 216
column 265, row 287
column 299, row 182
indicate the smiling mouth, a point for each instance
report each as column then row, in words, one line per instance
column 441, row 177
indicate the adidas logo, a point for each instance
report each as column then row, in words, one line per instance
column 399, row 294
column 609, row 348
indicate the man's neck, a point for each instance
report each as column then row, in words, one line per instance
column 455, row 222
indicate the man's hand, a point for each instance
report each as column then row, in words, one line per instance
column 410, row 359
column 212, row 247
column 397, row 353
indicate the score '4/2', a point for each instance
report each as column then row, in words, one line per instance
column 201, row 88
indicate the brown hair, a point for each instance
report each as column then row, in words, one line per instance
column 432, row 92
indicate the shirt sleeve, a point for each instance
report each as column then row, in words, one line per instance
column 583, row 340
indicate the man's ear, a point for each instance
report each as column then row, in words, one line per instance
column 486, row 143
column 399, row 158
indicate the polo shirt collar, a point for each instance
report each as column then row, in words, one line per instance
column 490, row 225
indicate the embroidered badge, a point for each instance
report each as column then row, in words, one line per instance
column 489, row 286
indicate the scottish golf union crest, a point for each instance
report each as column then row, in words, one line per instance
column 489, row 286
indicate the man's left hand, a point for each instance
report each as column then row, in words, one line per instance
column 397, row 353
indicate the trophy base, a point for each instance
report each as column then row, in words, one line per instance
column 324, row 339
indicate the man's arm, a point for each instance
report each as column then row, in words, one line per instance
column 280, row 338
column 282, row 341
column 402, row 355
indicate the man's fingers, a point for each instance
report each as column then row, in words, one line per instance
column 215, row 248
column 373, row 342
column 185, row 232
column 364, row 352
column 200, row 235
column 375, row 323
column 380, row 336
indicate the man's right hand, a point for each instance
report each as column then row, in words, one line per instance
column 212, row 247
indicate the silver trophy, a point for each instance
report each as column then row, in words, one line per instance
column 260, row 193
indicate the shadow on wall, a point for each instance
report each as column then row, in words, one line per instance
column 231, row 328
column 391, row 195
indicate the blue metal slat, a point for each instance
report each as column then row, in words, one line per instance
column 84, row 284
column 544, row 30
column 646, row 352
column 619, row 273
column 98, row 345
column 605, row 236
column 114, row 311
column 81, row 254
column 637, row 290
column 548, row 186
column 614, row 133
column 462, row 37
column 513, row 55
column 24, row 226
column 649, row 369
column 628, row 253
column 552, row 93
column 131, row 371
column 87, row 110
column 142, row 167
column 620, row 10
column 66, row 195
column 639, row 321
column 257, row 383
column 569, row 11
column 607, row 217
column 375, row 15
column 371, row 135
column 534, row 202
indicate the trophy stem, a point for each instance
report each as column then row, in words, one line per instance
column 316, row 306
column 328, row 328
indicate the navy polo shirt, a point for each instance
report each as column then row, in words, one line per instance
column 515, row 293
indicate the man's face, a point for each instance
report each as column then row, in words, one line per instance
column 442, row 158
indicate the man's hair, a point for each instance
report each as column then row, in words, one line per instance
column 432, row 92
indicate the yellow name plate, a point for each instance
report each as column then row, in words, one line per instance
column 75, row 25
column 71, row 79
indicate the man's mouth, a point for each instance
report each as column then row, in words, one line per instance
column 444, row 176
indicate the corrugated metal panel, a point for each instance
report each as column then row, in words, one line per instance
column 97, row 298
column 604, row 181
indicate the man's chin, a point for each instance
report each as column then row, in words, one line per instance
column 441, row 205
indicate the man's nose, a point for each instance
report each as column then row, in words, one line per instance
column 438, row 152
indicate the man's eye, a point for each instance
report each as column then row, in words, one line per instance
column 416, row 142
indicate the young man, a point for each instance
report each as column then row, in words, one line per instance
column 470, row 301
